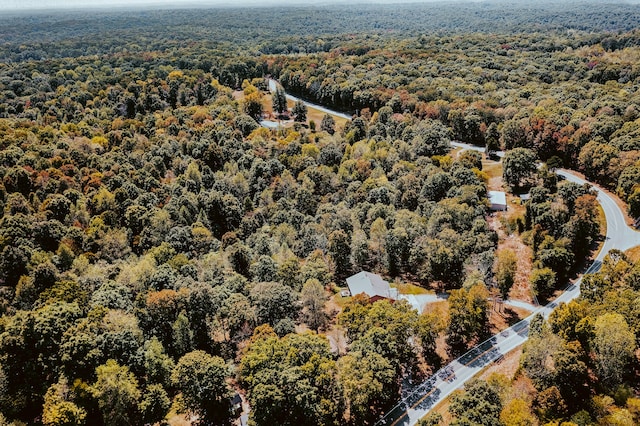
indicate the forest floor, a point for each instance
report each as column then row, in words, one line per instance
column 499, row 221
column 502, row 317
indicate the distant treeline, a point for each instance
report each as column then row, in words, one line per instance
column 295, row 29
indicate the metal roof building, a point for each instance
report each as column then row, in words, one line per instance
column 372, row 285
column 497, row 200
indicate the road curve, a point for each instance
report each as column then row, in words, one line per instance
column 273, row 84
column 419, row 401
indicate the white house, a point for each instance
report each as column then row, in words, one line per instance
column 372, row 285
column 497, row 200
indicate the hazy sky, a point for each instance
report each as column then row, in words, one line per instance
column 112, row 4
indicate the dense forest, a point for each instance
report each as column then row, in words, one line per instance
column 160, row 250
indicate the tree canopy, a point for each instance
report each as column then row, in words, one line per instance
column 159, row 246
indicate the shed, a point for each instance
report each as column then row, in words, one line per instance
column 236, row 402
column 497, row 201
column 372, row 285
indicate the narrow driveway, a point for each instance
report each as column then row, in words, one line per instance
column 419, row 301
column 520, row 304
column 273, row 84
column 470, row 147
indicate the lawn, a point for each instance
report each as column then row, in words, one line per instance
column 407, row 288
column 634, row 254
column 316, row 115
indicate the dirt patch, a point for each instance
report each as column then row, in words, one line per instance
column 335, row 335
column 337, row 340
column 174, row 419
column 443, row 410
column 634, row 254
column 502, row 317
column 521, row 289
column 493, row 170
column 237, row 95
column 507, row 366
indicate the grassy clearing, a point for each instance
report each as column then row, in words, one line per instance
column 316, row 115
column 312, row 113
column 339, row 300
column 492, row 168
column 408, row 288
column 634, row 254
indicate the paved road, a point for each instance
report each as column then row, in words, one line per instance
column 272, row 87
column 619, row 235
column 419, row 401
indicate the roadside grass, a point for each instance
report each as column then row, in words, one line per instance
column 312, row 113
column 408, row 288
column 316, row 115
column 634, row 254
column 493, row 169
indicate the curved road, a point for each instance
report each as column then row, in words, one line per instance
column 419, row 401
column 273, row 84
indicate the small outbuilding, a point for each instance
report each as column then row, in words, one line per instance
column 236, row 403
column 497, row 201
column 372, row 285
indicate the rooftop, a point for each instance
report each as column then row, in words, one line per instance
column 370, row 284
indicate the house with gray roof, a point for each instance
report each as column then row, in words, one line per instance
column 497, row 200
column 372, row 285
